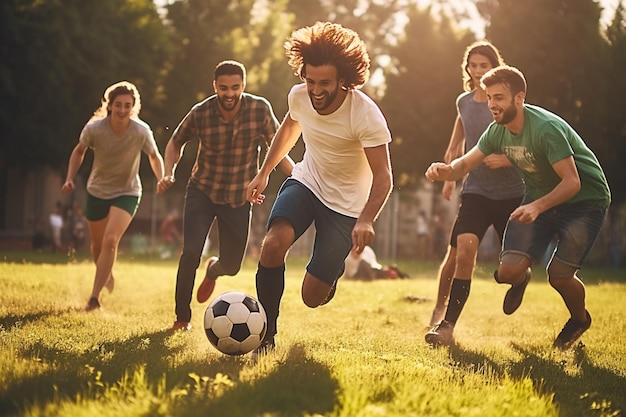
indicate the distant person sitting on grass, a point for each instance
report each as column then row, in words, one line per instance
column 567, row 196
column 365, row 266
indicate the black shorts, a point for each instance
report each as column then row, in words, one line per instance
column 478, row 212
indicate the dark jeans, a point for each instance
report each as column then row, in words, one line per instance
column 233, row 225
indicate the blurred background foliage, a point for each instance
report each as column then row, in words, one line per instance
column 58, row 56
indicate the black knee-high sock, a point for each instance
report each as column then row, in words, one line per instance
column 270, row 285
column 459, row 292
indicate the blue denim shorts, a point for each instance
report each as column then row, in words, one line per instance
column 573, row 227
column 333, row 231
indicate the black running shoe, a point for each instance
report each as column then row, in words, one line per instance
column 571, row 332
column 441, row 334
column 513, row 297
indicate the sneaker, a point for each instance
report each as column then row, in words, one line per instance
column 331, row 294
column 181, row 325
column 514, row 295
column 571, row 332
column 92, row 304
column 438, row 315
column 441, row 334
column 208, row 285
column 110, row 284
column 266, row 346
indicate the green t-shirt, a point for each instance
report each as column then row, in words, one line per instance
column 544, row 140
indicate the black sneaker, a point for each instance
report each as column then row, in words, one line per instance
column 441, row 334
column 92, row 304
column 331, row 293
column 513, row 297
column 571, row 332
column 266, row 346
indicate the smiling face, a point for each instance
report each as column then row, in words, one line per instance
column 229, row 89
column 325, row 89
column 121, row 107
column 503, row 105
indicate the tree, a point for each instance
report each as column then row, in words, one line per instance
column 422, row 82
column 615, row 128
column 58, row 57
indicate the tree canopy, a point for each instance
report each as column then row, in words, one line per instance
column 59, row 56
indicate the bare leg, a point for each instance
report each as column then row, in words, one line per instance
column 106, row 236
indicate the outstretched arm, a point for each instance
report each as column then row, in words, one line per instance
column 457, row 169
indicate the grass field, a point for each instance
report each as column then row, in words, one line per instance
column 361, row 355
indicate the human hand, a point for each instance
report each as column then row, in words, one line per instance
column 526, row 213
column 438, row 171
column 254, row 191
column 67, row 187
column 362, row 235
column 165, row 183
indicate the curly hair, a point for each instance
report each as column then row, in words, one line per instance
column 327, row 43
column 485, row 49
column 118, row 89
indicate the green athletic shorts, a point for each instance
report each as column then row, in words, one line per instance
column 98, row 208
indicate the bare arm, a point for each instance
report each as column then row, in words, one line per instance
column 285, row 138
column 455, row 149
column 76, row 160
column 457, row 142
column 566, row 189
column 156, row 163
column 173, row 153
column 382, row 183
column 457, row 169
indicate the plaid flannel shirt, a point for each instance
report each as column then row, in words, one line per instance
column 228, row 152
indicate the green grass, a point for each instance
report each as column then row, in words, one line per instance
column 361, row 355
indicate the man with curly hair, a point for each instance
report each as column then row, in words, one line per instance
column 344, row 178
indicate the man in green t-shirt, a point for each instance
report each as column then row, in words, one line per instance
column 567, row 195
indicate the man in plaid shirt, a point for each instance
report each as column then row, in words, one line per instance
column 231, row 126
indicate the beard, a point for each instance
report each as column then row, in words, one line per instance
column 508, row 114
column 326, row 102
column 227, row 106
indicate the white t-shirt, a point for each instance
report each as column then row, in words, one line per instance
column 334, row 166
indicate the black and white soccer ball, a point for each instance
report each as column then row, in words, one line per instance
column 235, row 323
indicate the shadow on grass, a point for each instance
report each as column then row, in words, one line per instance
column 67, row 374
column 586, row 389
column 294, row 386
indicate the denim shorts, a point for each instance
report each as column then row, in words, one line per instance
column 573, row 227
column 98, row 208
column 333, row 231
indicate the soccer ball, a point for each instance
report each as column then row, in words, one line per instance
column 235, row 323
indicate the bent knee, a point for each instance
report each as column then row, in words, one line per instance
column 512, row 266
column 558, row 271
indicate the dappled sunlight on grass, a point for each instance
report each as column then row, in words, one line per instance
column 363, row 354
